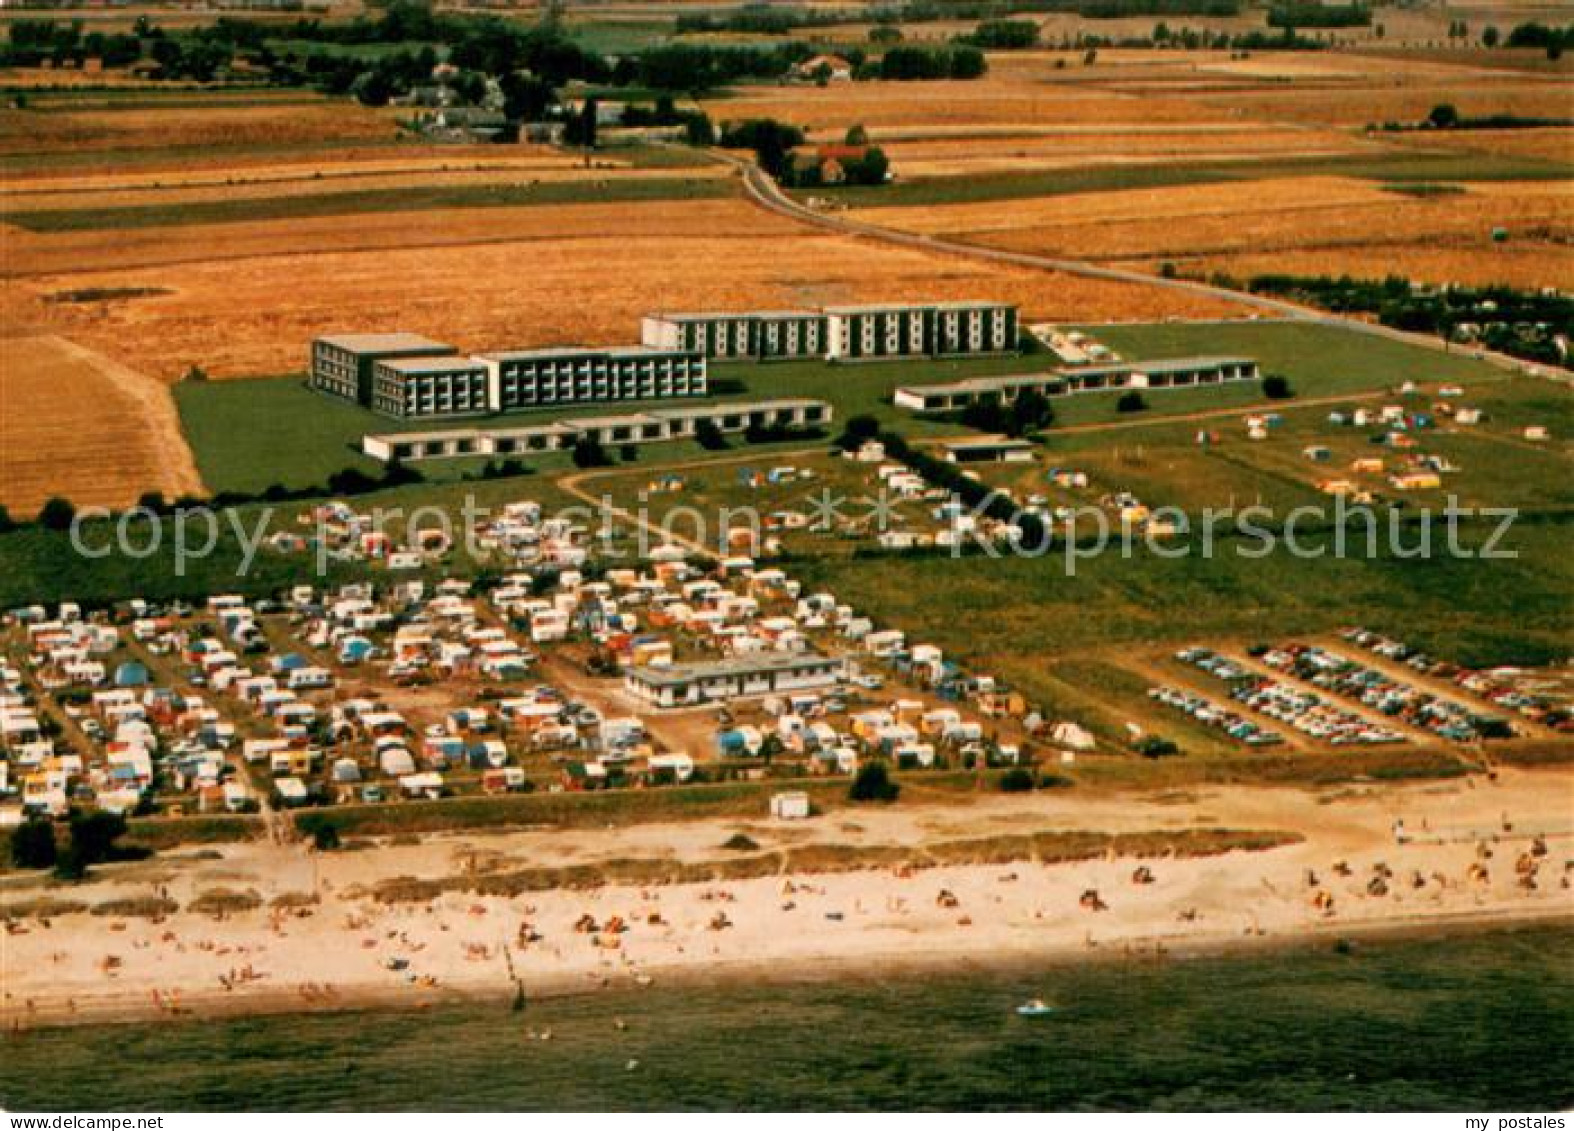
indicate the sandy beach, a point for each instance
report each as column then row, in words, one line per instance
column 1371, row 858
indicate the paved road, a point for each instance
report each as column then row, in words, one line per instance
column 763, row 191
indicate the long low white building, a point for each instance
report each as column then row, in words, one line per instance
column 626, row 428
column 1175, row 373
column 686, row 685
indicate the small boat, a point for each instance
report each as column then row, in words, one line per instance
column 1038, row 1007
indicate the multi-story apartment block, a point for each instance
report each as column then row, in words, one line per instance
column 342, row 364
column 533, row 378
column 754, row 336
column 430, row 386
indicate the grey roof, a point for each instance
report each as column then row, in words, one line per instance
column 677, row 674
column 418, row 365
column 988, row 384
column 390, row 345
column 558, row 353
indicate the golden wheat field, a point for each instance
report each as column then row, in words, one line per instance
column 562, row 274
column 271, row 123
column 78, row 424
column 1325, row 217
column 954, row 156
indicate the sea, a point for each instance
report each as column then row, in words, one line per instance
column 1479, row 1021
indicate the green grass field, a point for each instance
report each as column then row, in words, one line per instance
column 248, row 435
column 360, row 202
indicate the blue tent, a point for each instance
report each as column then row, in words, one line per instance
column 131, row 674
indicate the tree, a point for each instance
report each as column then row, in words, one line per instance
column 709, row 436
column 857, row 135
column 1489, row 36
column 1016, row 780
column 1444, row 116
column 588, row 452
column 33, row 844
column 1277, row 387
column 93, row 837
column 857, row 430
column 7, row 523
column 873, row 782
column 1132, row 401
column 151, row 501
column 57, row 514
column 1029, row 412
column 885, row 34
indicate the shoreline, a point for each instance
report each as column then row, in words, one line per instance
column 306, row 933
column 1148, row 950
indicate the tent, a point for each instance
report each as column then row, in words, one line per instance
column 131, row 674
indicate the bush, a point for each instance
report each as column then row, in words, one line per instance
column 1152, row 746
column 589, row 453
column 57, row 514
column 1131, row 402
column 33, row 844
column 1018, row 780
column 709, row 437
column 1276, row 387
column 93, row 837
column 873, row 783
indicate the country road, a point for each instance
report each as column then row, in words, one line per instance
column 765, row 193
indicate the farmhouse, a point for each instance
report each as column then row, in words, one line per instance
column 632, row 428
column 529, row 378
column 682, row 685
column 341, row 364
column 756, row 335
column 1170, row 374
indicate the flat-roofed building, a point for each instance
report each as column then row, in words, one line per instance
column 342, row 364
column 948, row 329
column 534, row 378
column 1171, row 373
column 761, row 335
column 857, row 333
column 626, row 428
column 430, row 386
column 958, row 329
column 706, row 681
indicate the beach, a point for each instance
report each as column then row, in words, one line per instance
column 362, row 927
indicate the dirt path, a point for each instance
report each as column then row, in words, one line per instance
column 768, row 195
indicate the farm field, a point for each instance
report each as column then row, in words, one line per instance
column 80, row 425
column 593, row 271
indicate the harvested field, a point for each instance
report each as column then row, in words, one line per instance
column 1545, row 144
column 995, row 103
column 1394, row 100
column 579, row 273
column 75, row 423
column 32, row 131
column 1526, row 263
column 1339, row 222
column 313, row 179
column 954, row 156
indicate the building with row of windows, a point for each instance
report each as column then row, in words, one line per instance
column 535, row 378
column 1173, row 373
column 655, row 426
column 342, row 364
column 409, row 376
column 840, row 333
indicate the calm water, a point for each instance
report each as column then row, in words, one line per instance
column 1476, row 1022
